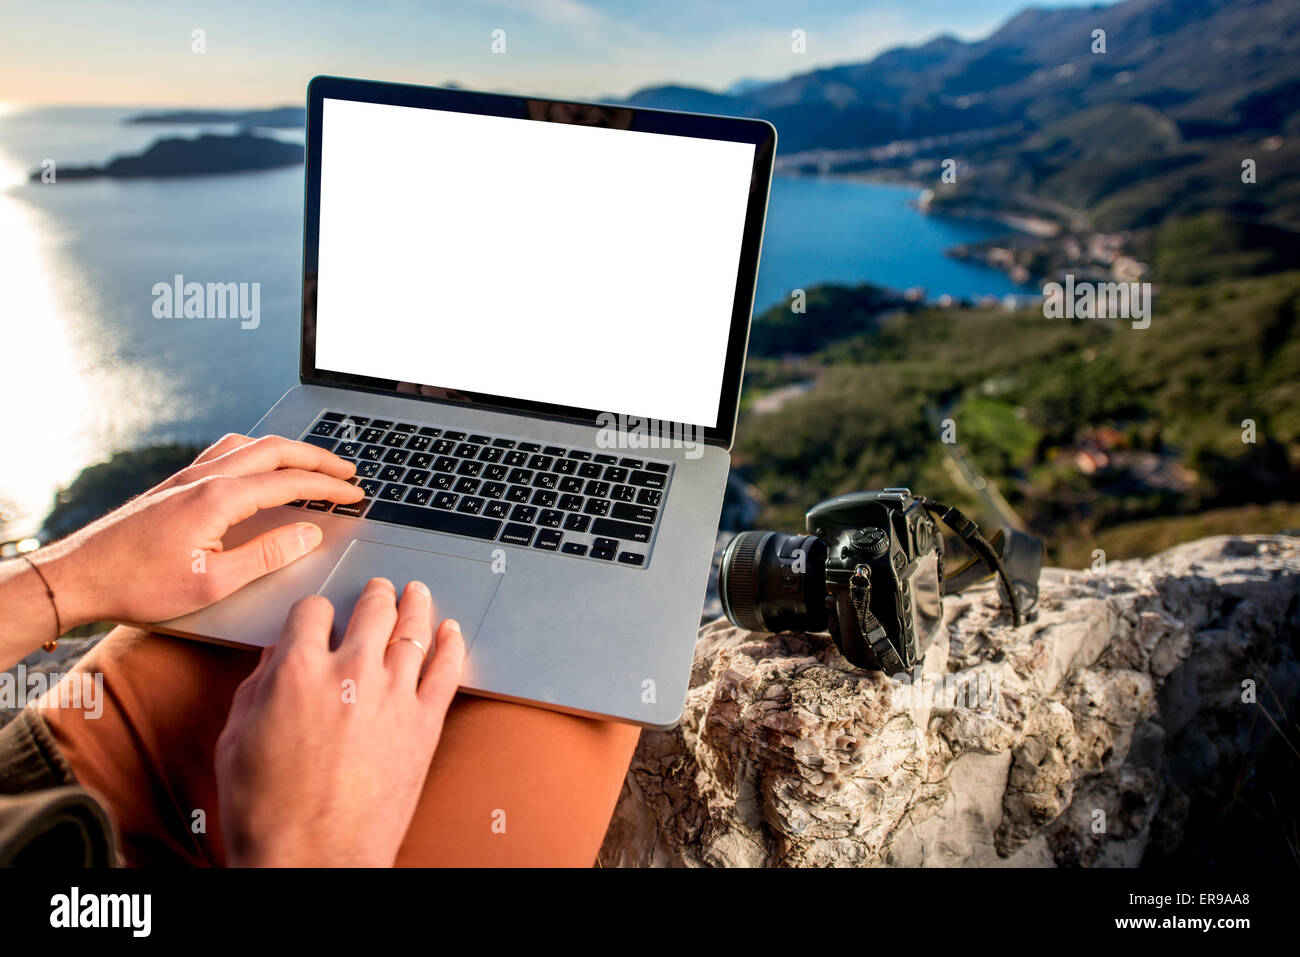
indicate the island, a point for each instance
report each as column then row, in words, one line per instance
column 280, row 117
column 201, row 156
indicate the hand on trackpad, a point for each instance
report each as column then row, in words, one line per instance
column 463, row 588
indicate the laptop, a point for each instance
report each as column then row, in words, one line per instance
column 525, row 320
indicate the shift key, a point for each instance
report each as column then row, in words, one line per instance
column 628, row 531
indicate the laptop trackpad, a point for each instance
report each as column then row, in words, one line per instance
column 462, row 588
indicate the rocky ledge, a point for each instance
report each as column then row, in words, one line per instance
column 1124, row 723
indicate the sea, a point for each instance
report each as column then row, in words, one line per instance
column 87, row 369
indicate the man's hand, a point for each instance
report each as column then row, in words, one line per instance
column 160, row 555
column 324, row 754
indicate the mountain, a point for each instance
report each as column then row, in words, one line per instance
column 1214, row 67
column 202, row 156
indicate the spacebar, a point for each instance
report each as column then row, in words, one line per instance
column 435, row 520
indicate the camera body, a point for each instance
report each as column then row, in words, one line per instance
column 869, row 571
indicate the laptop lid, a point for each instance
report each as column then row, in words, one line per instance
column 566, row 260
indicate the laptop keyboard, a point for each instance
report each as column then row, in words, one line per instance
column 570, row 501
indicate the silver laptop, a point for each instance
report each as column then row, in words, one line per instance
column 525, row 320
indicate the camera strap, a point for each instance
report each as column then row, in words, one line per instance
column 969, row 533
column 869, row 624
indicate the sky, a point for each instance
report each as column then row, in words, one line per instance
column 139, row 52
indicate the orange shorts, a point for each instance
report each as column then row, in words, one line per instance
column 510, row 785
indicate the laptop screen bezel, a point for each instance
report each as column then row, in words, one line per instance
column 758, row 133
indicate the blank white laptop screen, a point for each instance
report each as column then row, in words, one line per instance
column 549, row 262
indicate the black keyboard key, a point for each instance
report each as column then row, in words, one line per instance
column 297, row 503
column 497, row 509
column 349, row 431
column 605, row 554
column 393, row 492
column 371, row 435
column 495, row 473
column 490, row 454
column 391, row 473
column 504, row 443
column 418, row 443
column 395, row 440
column 417, row 476
column 545, row 480
column 631, row 558
column 596, row 506
column 540, row 463
column 354, row 510
column 333, row 416
column 368, row 469
column 418, row 496
column 431, row 432
column 648, row 496
column 466, row 450
column 442, row 447
column 517, row 534
column 519, row 493
column 577, row 523
column 445, row 463
column 470, row 505
column 574, row 548
column 657, row 467
column 629, row 531
column 548, row 538
column 473, row 526
column 349, row 450
column 324, row 443
column 520, row 476
column 623, row 493
column 320, row 505
column 566, row 466
column 404, row 427
column 649, row 479
column 579, row 454
column 607, row 459
column 359, row 421
column 493, row 489
column 632, row 463
column 529, row 447
column 570, row 483
column 441, row 481
column 444, row 500
column 550, row 518
column 571, row 503
column 372, row 453
column 467, row 486
column 597, row 489
column 634, row 513
column 479, row 439
column 382, row 424
column 469, row 467
column 396, row 456
column 420, row 460
column 544, row 498
column 523, row 513
column 615, row 474
column 590, row 470
column 514, row 458
column 370, row 486
column 553, row 450
column 325, row 429
column 454, row 436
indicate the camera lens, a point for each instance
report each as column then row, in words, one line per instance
column 771, row 581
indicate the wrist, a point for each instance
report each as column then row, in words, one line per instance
column 60, row 570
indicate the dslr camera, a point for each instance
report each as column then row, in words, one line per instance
column 870, row 571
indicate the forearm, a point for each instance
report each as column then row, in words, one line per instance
column 29, row 615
